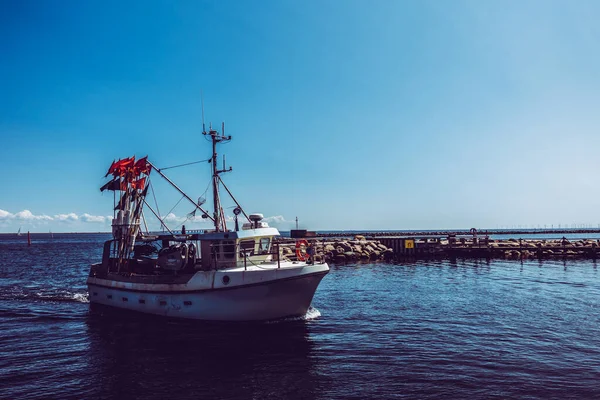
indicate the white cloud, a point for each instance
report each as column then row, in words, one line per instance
column 71, row 217
column 276, row 219
column 173, row 221
column 85, row 217
column 27, row 215
column 5, row 215
column 173, row 218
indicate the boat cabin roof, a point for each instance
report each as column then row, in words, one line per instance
column 207, row 235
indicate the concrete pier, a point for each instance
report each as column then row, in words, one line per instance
column 451, row 247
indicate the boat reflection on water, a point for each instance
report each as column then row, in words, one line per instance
column 138, row 356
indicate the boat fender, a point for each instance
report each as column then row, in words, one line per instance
column 301, row 250
column 192, row 250
column 192, row 254
column 184, row 253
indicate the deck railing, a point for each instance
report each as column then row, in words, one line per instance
column 221, row 254
column 239, row 252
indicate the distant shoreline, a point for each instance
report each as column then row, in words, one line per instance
column 460, row 232
column 383, row 232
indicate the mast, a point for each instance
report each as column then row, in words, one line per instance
column 217, row 138
column 216, row 207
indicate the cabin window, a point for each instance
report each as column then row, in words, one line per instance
column 228, row 249
column 263, row 246
column 247, row 247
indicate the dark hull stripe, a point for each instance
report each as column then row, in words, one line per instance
column 142, row 314
column 208, row 290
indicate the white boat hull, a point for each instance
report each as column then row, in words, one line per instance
column 247, row 298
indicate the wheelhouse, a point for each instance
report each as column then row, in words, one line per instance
column 189, row 253
column 222, row 250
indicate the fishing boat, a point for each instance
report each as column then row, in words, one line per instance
column 219, row 274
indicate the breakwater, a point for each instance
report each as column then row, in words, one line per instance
column 514, row 232
column 388, row 248
column 341, row 250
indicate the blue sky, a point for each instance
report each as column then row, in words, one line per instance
column 347, row 114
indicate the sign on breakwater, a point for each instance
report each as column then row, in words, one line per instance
column 452, row 247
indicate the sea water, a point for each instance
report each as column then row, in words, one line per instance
column 426, row 329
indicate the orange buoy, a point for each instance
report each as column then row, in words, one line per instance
column 301, row 247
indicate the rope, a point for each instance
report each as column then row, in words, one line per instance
column 256, row 265
column 183, row 165
column 176, row 204
column 156, row 204
column 206, row 190
column 248, row 260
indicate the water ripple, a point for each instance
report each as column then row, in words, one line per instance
column 440, row 329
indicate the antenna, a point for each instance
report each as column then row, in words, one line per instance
column 202, row 100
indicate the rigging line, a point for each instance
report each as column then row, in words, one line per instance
column 183, row 165
column 176, row 204
column 156, row 215
column 144, row 219
column 233, row 198
column 156, row 203
column 181, row 191
column 203, row 195
column 206, row 190
column 183, row 223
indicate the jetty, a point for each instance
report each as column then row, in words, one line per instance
column 464, row 232
column 366, row 247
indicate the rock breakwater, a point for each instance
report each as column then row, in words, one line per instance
column 340, row 250
column 361, row 248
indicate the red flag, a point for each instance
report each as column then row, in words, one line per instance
column 111, row 168
column 142, row 166
column 122, row 166
column 139, row 184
